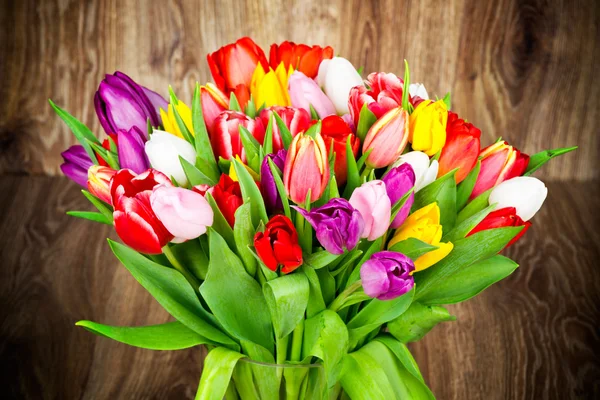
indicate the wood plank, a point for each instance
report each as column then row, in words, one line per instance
column 532, row 336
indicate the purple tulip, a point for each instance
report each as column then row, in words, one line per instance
column 398, row 181
column 121, row 104
column 386, row 275
column 267, row 183
column 131, row 150
column 76, row 165
column 337, row 223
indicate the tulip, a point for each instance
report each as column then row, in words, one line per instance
column 304, row 92
column 163, row 151
column 269, row 87
column 278, row 245
column 525, row 193
column 338, row 225
column 228, row 196
column 295, row 119
column 185, row 213
column 462, row 147
column 425, row 170
column 99, row 182
column 225, row 138
column 214, row 102
column 336, row 131
column 267, row 182
column 121, row 103
column 232, row 67
column 417, row 90
column 300, row 57
column 135, row 222
column 336, row 77
column 387, row 138
column 424, row 224
column 398, row 181
column 387, row 275
column 383, row 94
column 499, row 162
column 131, row 150
column 170, row 122
column 306, row 168
column 76, row 164
column 374, row 205
column 500, row 218
column 428, row 127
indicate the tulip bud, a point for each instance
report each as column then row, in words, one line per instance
column 424, row 169
column 499, row 162
column 502, row 218
column 295, row 119
column 269, row 87
column 76, row 164
column 278, row 245
column 336, row 77
column 228, row 196
column 301, row 57
column 225, row 138
column 185, row 213
column 398, row 181
column 428, row 127
column 267, row 182
column 383, row 94
column 130, row 146
column 462, row 148
column 163, row 151
column 306, row 168
column 336, row 131
column 374, row 205
column 387, row 138
column 387, row 275
column 170, row 122
column 99, row 182
column 525, row 193
column 304, row 92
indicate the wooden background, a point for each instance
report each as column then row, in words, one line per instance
column 524, row 70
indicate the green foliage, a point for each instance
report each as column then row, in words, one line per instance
column 366, row 119
column 417, row 321
column 541, row 158
column 81, row 132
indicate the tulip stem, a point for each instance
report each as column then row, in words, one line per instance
column 365, row 173
column 339, row 301
column 177, row 265
column 297, row 337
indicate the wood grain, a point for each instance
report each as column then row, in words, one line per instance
column 523, row 70
column 532, row 336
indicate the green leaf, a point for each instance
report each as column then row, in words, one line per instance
column 476, row 205
column 467, row 251
column 353, row 180
column 417, row 321
column 541, row 158
column 316, row 304
column 402, row 354
column 251, row 147
column 234, row 297
column 313, row 113
column 194, row 175
column 399, row 204
column 462, row 230
column 327, row 282
column 286, row 135
column 366, row 119
column 234, row 105
column 187, row 135
column 243, row 233
column 413, row 248
column 362, row 377
column 220, row 224
column 91, row 216
column 313, row 130
column 320, row 259
column 104, row 208
column 267, row 273
column 465, row 188
column 173, row 292
column 80, row 131
column 268, row 141
column 287, row 298
column 169, row 336
column 251, row 193
column 251, row 108
column 216, row 373
column 442, row 191
column 265, row 379
column 372, row 248
column 447, row 101
column 205, row 158
column 191, row 254
column 405, row 93
column 280, row 188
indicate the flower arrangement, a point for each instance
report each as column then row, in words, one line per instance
column 298, row 216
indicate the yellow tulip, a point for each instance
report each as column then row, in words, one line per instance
column 233, row 175
column 424, row 224
column 427, row 127
column 170, row 123
column 269, row 88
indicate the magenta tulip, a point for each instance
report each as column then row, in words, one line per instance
column 387, row 275
column 398, row 181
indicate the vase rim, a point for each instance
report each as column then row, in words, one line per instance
column 251, row 361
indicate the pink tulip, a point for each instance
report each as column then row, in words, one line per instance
column 295, row 119
column 373, row 203
column 214, row 102
column 387, row 138
column 185, row 213
column 305, row 92
column 225, row 137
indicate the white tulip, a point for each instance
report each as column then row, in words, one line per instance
column 336, row 77
column 525, row 193
column 417, row 89
column 425, row 170
column 163, row 151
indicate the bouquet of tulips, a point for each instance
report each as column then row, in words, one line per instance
column 301, row 222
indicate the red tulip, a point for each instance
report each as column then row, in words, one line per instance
column 228, row 196
column 106, row 145
column 214, row 103
column 135, row 222
column 499, row 162
column 296, row 120
column 335, row 130
column 500, row 218
column 232, row 67
column 383, row 94
column 301, row 57
column 278, row 245
column 461, row 149
column 225, row 138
